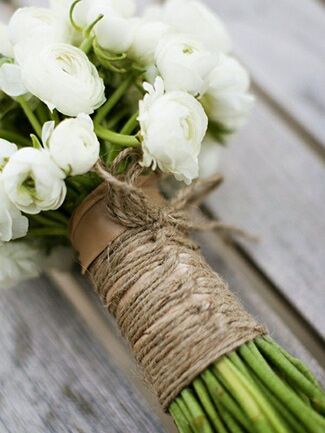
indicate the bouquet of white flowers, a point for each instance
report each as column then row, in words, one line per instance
column 96, row 103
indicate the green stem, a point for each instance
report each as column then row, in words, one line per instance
column 186, row 413
column 282, row 410
column 58, row 216
column 116, row 118
column 116, row 138
column 86, row 44
column 91, row 26
column 179, row 418
column 73, row 23
column 113, row 100
column 14, row 137
column 312, row 421
column 264, row 404
column 45, row 221
column 222, row 398
column 30, row 115
column 131, row 124
column 231, row 423
column 208, row 405
column 200, row 421
column 235, row 359
column 55, row 117
column 242, row 392
column 295, row 361
column 291, row 373
column 47, row 231
column 42, row 113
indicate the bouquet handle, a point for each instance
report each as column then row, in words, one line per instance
column 177, row 314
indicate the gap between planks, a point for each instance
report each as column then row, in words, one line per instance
column 270, row 294
column 291, row 121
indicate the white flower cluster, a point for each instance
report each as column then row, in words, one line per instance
column 32, row 181
column 187, row 47
column 56, row 57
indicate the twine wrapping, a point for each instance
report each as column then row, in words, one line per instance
column 177, row 314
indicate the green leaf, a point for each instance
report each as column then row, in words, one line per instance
column 36, row 143
column 219, row 132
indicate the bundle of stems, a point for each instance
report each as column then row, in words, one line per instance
column 259, row 388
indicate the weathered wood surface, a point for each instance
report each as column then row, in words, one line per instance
column 274, row 178
column 283, row 44
column 55, row 377
column 64, row 369
column 274, row 187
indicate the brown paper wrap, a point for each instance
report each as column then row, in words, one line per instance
column 91, row 229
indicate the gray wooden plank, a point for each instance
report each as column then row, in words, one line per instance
column 283, row 44
column 5, row 11
column 55, row 377
column 265, row 306
column 275, row 187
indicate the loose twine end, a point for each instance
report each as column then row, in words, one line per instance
column 186, row 197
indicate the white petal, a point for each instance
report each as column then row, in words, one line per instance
column 11, row 81
column 47, row 130
column 20, row 227
column 86, row 118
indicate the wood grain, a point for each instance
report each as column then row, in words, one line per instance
column 283, row 44
column 259, row 299
column 55, row 377
column 274, row 187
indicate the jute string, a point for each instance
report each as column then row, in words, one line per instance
column 177, row 314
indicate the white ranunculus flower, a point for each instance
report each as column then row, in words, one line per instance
column 19, row 261
column 183, row 63
column 33, row 182
column 6, row 48
column 173, row 126
column 114, row 32
column 73, row 144
column 11, row 82
column 125, row 8
column 63, row 77
column 209, row 157
column 147, row 35
column 227, row 100
column 33, row 28
column 61, row 8
column 86, row 11
column 13, row 224
column 6, row 150
column 196, row 19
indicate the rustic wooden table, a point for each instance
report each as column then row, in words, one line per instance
column 63, row 366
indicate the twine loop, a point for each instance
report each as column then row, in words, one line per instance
column 130, row 207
